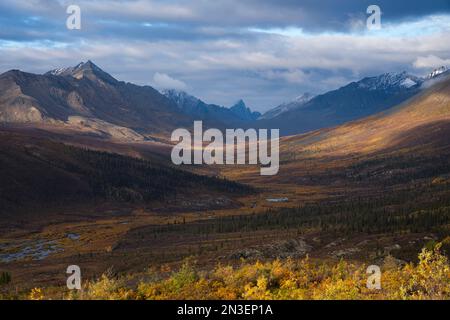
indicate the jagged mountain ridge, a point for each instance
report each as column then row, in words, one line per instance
column 195, row 107
column 243, row 112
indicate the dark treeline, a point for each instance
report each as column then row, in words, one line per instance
column 400, row 169
column 402, row 211
column 383, row 170
column 35, row 177
column 129, row 179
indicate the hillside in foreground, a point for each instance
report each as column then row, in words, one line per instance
column 288, row 279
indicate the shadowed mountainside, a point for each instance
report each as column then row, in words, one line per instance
column 37, row 173
column 236, row 116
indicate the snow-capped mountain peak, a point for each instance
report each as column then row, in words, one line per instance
column 59, row 71
column 408, row 83
column 286, row 106
column 389, row 81
column 302, row 98
column 67, row 70
column 83, row 69
column 181, row 98
column 437, row 72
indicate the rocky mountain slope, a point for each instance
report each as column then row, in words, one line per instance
column 86, row 91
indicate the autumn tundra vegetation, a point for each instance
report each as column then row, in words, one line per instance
column 428, row 278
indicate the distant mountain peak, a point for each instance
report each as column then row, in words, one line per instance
column 12, row 72
column 181, row 98
column 304, row 97
column 195, row 107
column 176, row 92
column 436, row 72
column 390, row 80
column 89, row 63
column 239, row 104
column 59, row 71
column 297, row 103
column 244, row 112
column 88, row 66
column 86, row 69
column 85, row 90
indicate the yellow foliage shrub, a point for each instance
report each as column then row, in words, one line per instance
column 289, row 279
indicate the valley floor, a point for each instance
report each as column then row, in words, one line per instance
column 380, row 207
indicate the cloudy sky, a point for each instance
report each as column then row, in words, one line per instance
column 264, row 51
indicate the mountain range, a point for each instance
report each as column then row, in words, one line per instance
column 89, row 99
column 405, row 144
column 417, row 124
column 353, row 101
column 237, row 114
column 82, row 94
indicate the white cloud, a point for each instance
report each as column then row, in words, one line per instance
column 164, row 81
column 263, row 68
column 430, row 62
